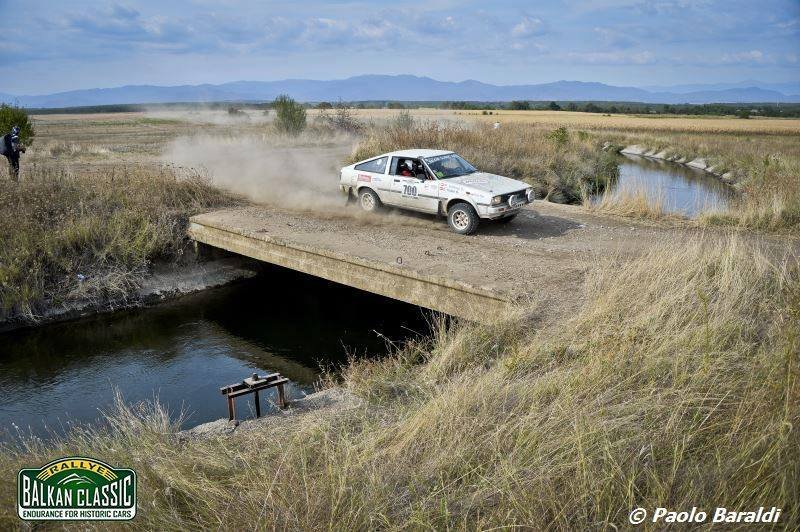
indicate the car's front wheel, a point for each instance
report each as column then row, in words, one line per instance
column 463, row 219
column 369, row 201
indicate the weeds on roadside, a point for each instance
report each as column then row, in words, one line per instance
column 68, row 237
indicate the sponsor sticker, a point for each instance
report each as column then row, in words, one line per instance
column 365, row 177
column 76, row 488
column 438, row 158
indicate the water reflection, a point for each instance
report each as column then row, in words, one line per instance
column 183, row 351
column 680, row 189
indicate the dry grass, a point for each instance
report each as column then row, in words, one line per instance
column 676, row 385
column 599, row 121
column 70, row 237
column 558, row 164
column 632, row 203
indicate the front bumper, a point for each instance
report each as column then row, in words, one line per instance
column 501, row 211
column 493, row 213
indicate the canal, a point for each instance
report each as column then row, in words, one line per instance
column 181, row 352
column 679, row 189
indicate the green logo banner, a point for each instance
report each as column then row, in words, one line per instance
column 76, row 488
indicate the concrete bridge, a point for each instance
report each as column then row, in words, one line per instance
column 538, row 258
column 393, row 277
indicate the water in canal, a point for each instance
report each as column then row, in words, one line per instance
column 680, row 189
column 182, row 352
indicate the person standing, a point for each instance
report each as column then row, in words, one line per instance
column 12, row 147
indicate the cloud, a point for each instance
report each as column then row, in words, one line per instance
column 614, row 38
column 751, row 56
column 528, row 27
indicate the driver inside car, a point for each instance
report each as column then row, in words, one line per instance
column 407, row 169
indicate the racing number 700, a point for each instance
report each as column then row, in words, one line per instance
column 409, row 190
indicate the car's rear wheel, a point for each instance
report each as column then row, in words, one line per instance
column 369, row 201
column 463, row 219
column 506, row 219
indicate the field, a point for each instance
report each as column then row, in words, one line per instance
column 761, row 154
column 672, row 379
column 597, row 121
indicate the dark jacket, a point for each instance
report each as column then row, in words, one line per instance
column 10, row 146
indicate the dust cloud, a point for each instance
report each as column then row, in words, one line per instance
column 292, row 173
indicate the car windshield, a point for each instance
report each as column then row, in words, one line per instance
column 450, row 165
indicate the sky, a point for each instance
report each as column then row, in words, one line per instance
column 49, row 46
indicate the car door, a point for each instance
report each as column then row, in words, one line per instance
column 413, row 192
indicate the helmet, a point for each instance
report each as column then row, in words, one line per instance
column 409, row 165
column 15, row 130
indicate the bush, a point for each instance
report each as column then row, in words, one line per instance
column 290, row 116
column 16, row 116
column 341, row 119
column 404, row 120
column 559, row 135
column 518, row 105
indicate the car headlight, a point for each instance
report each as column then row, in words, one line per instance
column 530, row 194
column 497, row 200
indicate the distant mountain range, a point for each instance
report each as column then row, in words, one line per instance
column 412, row 88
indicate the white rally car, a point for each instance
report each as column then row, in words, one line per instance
column 438, row 182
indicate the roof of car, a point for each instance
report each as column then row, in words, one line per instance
column 418, row 152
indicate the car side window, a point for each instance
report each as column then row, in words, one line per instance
column 400, row 167
column 377, row 166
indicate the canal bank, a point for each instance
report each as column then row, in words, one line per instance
column 727, row 176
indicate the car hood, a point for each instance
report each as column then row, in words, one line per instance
column 489, row 183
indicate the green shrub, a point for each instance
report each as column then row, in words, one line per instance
column 559, row 135
column 16, row 116
column 290, row 116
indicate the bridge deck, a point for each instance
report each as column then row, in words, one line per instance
column 417, row 259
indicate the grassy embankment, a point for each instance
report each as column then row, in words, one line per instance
column 676, row 385
column 74, row 237
column 564, row 162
